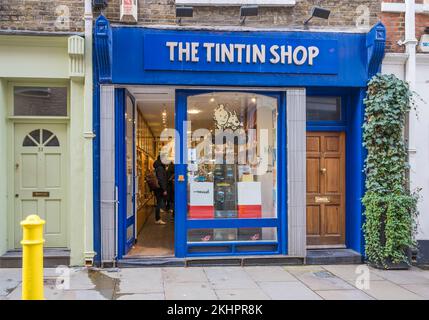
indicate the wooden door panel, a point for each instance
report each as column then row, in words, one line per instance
column 325, row 189
column 332, row 220
column 313, row 144
column 313, row 177
column 332, row 144
column 332, row 175
column 313, row 220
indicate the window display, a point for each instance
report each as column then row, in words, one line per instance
column 232, row 146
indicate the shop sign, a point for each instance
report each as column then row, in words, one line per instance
column 128, row 9
column 277, row 54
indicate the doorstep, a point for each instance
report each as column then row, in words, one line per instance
column 262, row 260
column 333, row 256
column 52, row 257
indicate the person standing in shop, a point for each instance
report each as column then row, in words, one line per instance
column 161, row 193
column 170, row 189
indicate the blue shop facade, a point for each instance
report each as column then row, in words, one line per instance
column 262, row 128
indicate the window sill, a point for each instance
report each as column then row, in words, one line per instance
column 39, row 118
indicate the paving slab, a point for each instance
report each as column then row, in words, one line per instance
column 142, row 296
column 411, row 276
column 50, row 293
column 229, row 278
column 84, row 295
column 189, row 291
column 140, row 280
column 242, row 294
column 322, row 280
column 7, row 285
column 386, row 290
column 352, row 271
column 184, row 275
column 269, row 273
column 288, row 291
column 353, row 294
column 80, row 280
column 297, row 270
column 110, row 272
column 10, row 278
column 421, row 290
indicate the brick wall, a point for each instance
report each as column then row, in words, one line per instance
column 45, row 15
column 42, row 15
column 395, row 27
column 343, row 13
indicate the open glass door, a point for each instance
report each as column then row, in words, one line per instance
column 130, row 171
column 232, row 173
column 125, row 170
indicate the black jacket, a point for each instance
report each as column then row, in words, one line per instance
column 161, row 174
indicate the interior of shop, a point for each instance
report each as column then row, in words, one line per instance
column 154, row 112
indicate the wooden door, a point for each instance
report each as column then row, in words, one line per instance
column 325, row 189
column 40, row 179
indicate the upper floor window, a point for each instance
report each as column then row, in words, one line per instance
column 324, row 109
column 40, row 101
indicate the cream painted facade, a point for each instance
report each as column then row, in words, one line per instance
column 58, row 60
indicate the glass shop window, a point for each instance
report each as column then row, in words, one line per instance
column 324, row 109
column 40, row 101
column 232, row 159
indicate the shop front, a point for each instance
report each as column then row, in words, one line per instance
column 258, row 132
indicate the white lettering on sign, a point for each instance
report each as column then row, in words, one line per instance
column 241, row 53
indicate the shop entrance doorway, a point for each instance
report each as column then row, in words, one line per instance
column 148, row 112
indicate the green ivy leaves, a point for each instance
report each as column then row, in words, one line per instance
column 390, row 209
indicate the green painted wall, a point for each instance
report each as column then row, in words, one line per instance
column 3, row 161
column 44, row 59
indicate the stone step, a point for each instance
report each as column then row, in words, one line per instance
column 52, row 257
column 333, row 256
column 209, row 261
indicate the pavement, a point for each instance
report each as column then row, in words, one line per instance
column 333, row 282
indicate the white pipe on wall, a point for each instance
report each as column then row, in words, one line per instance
column 410, row 43
column 88, row 135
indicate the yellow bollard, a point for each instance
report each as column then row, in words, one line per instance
column 32, row 258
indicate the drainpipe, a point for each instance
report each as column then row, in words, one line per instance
column 410, row 44
column 89, row 136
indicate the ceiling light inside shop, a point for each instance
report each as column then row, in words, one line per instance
column 194, row 111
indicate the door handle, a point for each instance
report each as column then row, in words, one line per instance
column 16, row 195
column 323, row 170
